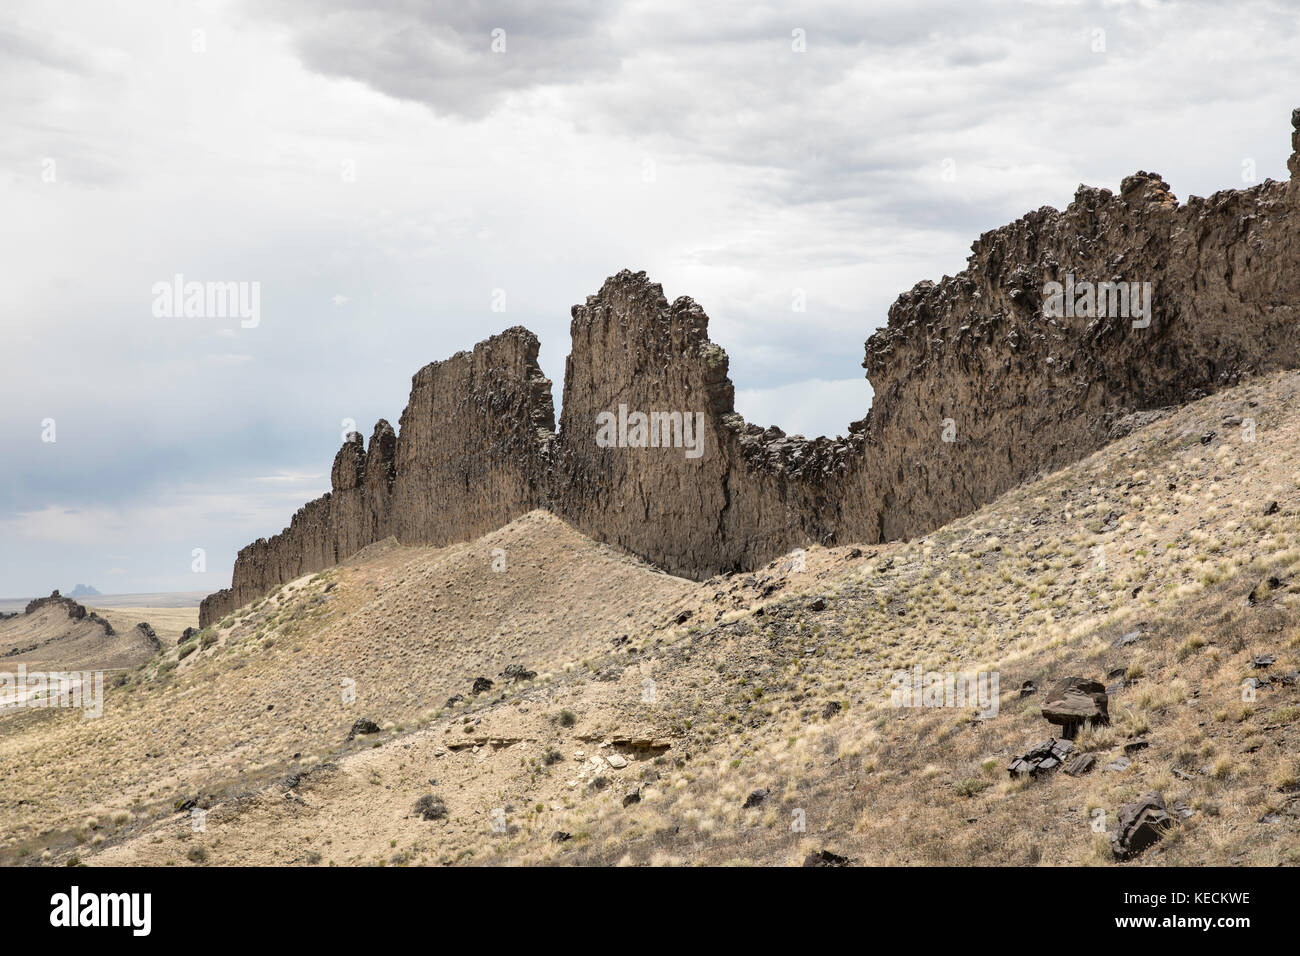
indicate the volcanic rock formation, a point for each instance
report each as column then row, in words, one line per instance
column 976, row 390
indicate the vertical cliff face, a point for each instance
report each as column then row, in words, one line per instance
column 977, row 388
column 632, row 349
column 1025, row 392
column 473, row 448
column 473, row 455
column 738, row 495
column 349, row 516
column 377, row 484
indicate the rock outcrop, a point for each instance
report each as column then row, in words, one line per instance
column 75, row 611
column 1142, row 823
column 473, row 455
column 1074, row 702
column 473, row 450
column 705, row 492
column 977, row 388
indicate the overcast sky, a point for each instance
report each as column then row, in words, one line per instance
column 382, row 171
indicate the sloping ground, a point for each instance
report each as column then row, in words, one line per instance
column 167, row 622
column 275, row 688
column 1164, row 564
column 48, row 639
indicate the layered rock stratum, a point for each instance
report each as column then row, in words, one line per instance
column 976, row 390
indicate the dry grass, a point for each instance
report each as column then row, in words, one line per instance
column 1157, row 534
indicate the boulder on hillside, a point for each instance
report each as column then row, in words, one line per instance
column 1141, row 824
column 1079, row 765
column 1076, row 700
column 518, row 672
column 825, row 858
column 1047, row 756
column 363, row 725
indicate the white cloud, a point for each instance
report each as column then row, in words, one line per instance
column 809, row 408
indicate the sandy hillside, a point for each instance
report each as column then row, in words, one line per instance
column 673, row 722
column 48, row 639
column 400, row 630
column 168, row 623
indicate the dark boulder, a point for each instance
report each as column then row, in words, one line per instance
column 1141, row 824
column 517, row 672
column 1076, row 700
column 363, row 725
column 1079, row 765
column 825, row 858
column 1045, row 757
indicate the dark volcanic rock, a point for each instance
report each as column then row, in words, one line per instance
column 148, row 633
column 1045, row 757
column 517, row 672
column 1075, row 700
column 1079, row 765
column 75, row 611
column 363, row 725
column 825, row 858
column 478, row 446
column 1141, row 824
